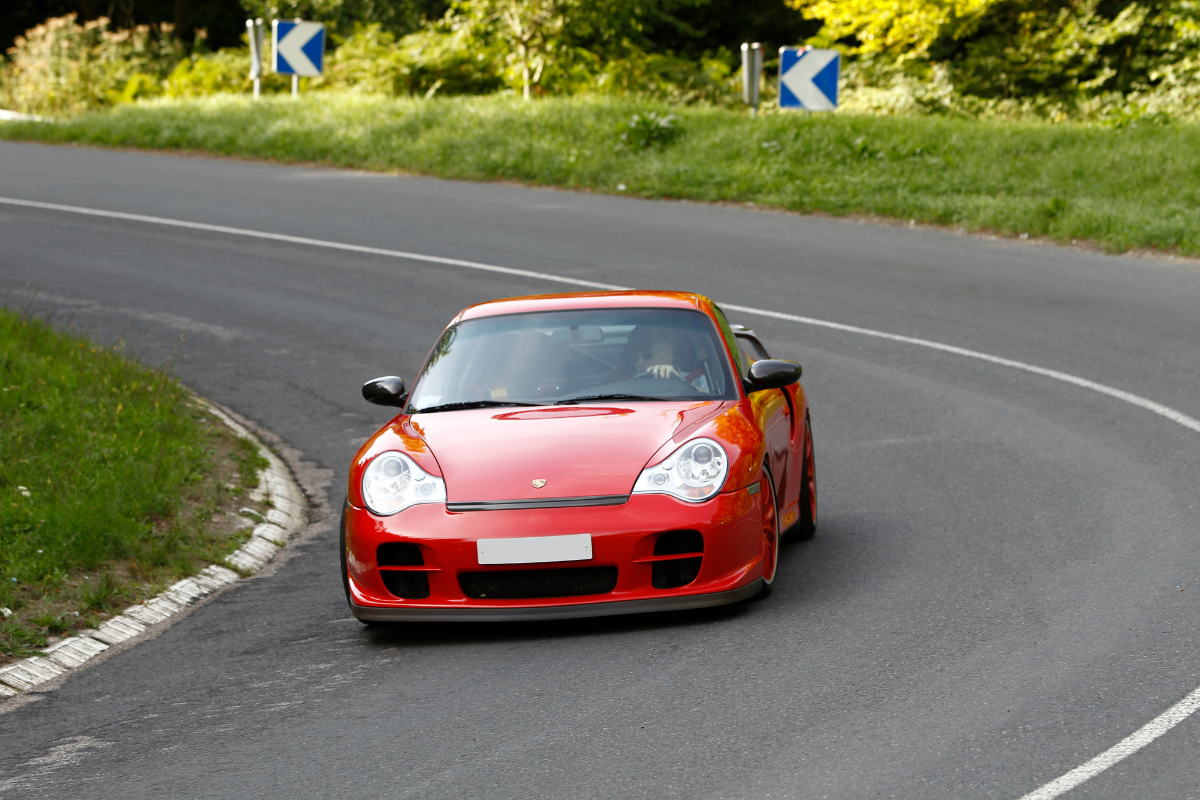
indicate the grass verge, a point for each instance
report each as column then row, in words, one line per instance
column 1134, row 187
column 114, row 483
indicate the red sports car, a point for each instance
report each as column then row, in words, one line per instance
column 577, row 455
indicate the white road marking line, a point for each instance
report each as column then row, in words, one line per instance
column 282, row 237
column 1149, row 405
column 1122, row 749
column 1133, row 399
column 1126, row 747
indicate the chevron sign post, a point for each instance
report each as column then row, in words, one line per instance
column 808, row 78
column 298, row 47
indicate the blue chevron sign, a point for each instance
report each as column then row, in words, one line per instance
column 808, row 78
column 298, row 47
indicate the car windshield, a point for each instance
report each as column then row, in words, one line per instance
column 585, row 355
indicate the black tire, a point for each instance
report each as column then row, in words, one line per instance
column 806, row 527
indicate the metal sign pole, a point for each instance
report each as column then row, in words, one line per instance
column 255, row 56
column 258, row 49
column 274, row 45
column 758, row 67
column 296, row 77
column 752, row 61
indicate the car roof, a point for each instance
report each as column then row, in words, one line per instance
column 579, row 300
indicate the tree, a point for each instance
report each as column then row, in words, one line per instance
column 904, row 29
column 530, row 29
column 1064, row 51
column 538, row 35
column 222, row 20
column 703, row 29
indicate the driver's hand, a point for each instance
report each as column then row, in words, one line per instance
column 664, row 371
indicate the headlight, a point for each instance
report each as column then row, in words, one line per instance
column 694, row 472
column 392, row 482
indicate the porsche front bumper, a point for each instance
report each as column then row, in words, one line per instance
column 623, row 537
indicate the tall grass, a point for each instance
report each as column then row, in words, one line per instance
column 96, row 451
column 1123, row 187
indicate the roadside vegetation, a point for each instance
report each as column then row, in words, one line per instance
column 1130, row 186
column 114, row 483
column 1085, row 60
column 1066, row 119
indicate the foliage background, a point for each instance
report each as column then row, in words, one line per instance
column 682, row 49
column 1107, row 60
column 1056, row 59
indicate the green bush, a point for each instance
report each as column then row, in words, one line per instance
column 666, row 77
column 1118, row 63
column 224, row 71
column 1050, row 59
column 63, row 68
column 441, row 59
column 650, row 129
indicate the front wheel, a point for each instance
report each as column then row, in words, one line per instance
column 806, row 526
column 770, row 529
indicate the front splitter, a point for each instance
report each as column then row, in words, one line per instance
column 373, row 614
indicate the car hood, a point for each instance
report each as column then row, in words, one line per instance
column 579, row 451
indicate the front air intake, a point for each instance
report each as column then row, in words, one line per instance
column 408, row 584
column 528, row 584
column 399, row 554
column 671, row 573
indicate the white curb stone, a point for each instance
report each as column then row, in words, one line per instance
column 286, row 516
column 24, row 675
column 185, row 591
column 274, row 534
column 70, row 653
column 219, row 575
column 253, row 554
column 118, row 629
column 154, row 610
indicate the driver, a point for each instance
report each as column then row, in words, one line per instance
column 657, row 359
column 654, row 356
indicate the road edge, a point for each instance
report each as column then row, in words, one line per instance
column 290, row 513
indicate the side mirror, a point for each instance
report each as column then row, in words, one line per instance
column 387, row 391
column 772, row 373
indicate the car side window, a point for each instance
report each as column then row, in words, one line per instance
column 742, row 365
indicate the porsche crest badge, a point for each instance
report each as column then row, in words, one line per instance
column 539, row 483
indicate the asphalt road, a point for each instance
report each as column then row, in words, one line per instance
column 993, row 597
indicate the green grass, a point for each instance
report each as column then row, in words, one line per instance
column 1122, row 188
column 109, row 476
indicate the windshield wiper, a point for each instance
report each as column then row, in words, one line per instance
column 614, row 396
column 472, row 404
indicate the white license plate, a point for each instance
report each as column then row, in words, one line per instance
column 535, row 549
